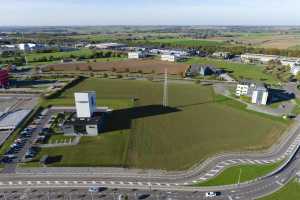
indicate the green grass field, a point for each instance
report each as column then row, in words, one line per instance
column 243, row 173
column 197, row 125
column 239, row 71
column 289, row 192
column 187, row 42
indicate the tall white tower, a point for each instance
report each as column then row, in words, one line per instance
column 85, row 104
column 165, row 97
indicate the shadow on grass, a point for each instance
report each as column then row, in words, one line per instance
column 122, row 119
column 277, row 95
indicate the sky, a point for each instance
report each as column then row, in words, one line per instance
column 149, row 12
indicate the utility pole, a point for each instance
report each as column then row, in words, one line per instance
column 165, row 97
column 25, row 56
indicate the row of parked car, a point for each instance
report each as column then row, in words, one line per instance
column 18, row 144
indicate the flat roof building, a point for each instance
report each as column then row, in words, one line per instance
column 85, row 104
column 136, row 55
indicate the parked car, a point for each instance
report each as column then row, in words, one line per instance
column 93, row 189
column 212, row 194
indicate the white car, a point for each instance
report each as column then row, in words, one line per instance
column 210, row 194
column 93, row 189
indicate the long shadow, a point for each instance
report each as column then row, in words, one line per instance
column 204, row 102
column 122, row 119
column 277, row 95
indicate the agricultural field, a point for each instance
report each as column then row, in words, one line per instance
column 240, row 174
column 146, row 135
column 267, row 39
column 144, row 66
column 289, row 192
column 179, row 42
column 238, row 70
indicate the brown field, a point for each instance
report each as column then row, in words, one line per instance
column 144, row 66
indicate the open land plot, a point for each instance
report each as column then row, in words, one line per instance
column 268, row 40
column 197, row 125
column 289, row 192
column 243, row 173
column 179, row 42
column 145, row 66
column 238, row 70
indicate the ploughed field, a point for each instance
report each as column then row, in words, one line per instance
column 142, row 134
column 144, row 66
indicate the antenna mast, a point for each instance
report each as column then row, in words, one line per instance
column 165, row 97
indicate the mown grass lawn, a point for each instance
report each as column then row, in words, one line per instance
column 197, row 125
column 241, row 173
column 289, row 192
column 239, row 70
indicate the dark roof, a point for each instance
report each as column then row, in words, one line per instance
column 73, row 120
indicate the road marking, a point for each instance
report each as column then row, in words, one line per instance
column 20, row 183
column 75, row 182
column 29, row 182
column 230, row 198
column 279, row 183
column 10, row 183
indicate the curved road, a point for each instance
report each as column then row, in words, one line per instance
column 175, row 181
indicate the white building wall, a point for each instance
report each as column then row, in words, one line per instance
column 85, row 104
column 254, row 97
column 264, row 98
column 92, row 130
column 135, row 55
column 170, row 58
column 241, row 90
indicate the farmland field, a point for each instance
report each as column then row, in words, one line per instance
column 145, row 66
column 196, row 125
column 177, row 42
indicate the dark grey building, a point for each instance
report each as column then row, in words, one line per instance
column 203, row 70
column 84, row 126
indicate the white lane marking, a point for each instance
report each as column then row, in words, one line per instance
column 84, row 182
column 48, row 182
column 57, row 182
column 75, row 182
column 112, row 182
column 230, row 198
column 279, row 183
column 130, row 183
column 29, row 182
column 10, row 183
column 66, row 182
column 20, row 183
column 202, row 178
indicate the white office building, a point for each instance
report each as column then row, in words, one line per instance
column 136, row 55
column 258, row 58
column 85, row 104
column 170, row 57
column 244, row 88
column 260, row 96
column 257, row 92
